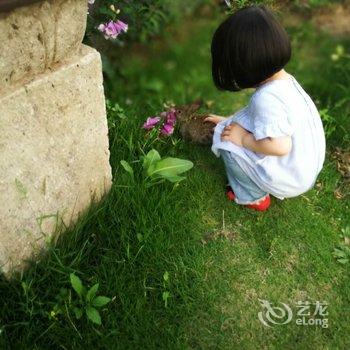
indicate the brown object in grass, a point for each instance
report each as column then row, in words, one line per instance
column 342, row 158
column 193, row 128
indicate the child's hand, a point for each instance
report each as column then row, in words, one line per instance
column 234, row 133
column 216, row 119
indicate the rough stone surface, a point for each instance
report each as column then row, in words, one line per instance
column 54, row 154
column 34, row 38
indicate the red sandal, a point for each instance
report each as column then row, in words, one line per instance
column 262, row 205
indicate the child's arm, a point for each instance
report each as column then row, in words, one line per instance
column 279, row 146
column 216, row 119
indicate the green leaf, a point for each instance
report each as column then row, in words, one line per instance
column 346, row 231
column 339, row 253
column 174, row 178
column 166, row 296
column 93, row 315
column 76, row 284
column 127, row 167
column 343, row 260
column 78, row 313
column 92, row 292
column 100, row 301
column 166, row 276
column 151, row 157
column 169, row 167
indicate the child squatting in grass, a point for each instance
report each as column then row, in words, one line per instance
column 276, row 144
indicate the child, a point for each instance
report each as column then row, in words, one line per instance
column 276, row 144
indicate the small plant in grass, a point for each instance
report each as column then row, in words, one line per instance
column 115, row 113
column 166, row 292
column 329, row 122
column 88, row 302
column 157, row 169
column 342, row 252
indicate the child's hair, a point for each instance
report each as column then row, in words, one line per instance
column 248, row 48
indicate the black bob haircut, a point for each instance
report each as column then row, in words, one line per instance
column 248, row 47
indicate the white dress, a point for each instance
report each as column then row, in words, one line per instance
column 279, row 108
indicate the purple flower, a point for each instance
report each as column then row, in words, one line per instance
column 167, row 129
column 167, row 119
column 171, row 116
column 151, row 123
column 112, row 29
column 121, row 26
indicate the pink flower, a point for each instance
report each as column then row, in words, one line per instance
column 167, row 129
column 91, row 2
column 112, row 29
column 151, row 123
column 171, row 116
column 167, row 119
column 121, row 26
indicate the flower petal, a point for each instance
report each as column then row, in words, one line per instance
column 151, row 122
column 167, row 129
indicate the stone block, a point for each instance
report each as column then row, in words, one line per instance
column 35, row 37
column 54, row 155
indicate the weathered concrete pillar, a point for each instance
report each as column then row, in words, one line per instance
column 54, row 156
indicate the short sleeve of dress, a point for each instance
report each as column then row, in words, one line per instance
column 269, row 116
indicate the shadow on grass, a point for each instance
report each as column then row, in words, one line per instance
column 126, row 244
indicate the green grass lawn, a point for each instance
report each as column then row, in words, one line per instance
column 214, row 259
